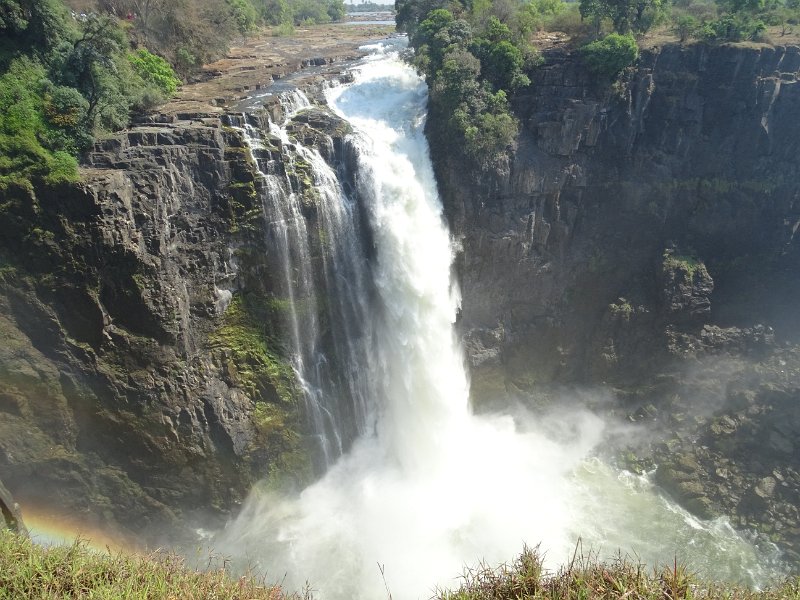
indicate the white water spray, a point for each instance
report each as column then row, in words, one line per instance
column 435, row 488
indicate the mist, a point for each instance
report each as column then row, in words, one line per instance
column 433, row 488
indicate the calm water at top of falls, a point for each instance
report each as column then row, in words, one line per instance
column 430, row 487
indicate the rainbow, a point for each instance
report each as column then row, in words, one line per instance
column 49, row 528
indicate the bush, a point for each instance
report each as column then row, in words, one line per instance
column 155, row 70
column 39, row 123
column 686, row 26
column 607, row 57
column 490, row 136
column 735, row 27
column 567, row 21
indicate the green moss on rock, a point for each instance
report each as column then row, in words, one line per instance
column 253, row 362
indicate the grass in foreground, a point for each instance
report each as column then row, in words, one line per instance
column 30, row 571
column 585, row 578
column 35, row 572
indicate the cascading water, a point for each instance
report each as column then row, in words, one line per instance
column 335, row 396
column 432, row 488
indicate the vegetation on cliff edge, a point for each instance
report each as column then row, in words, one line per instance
column 73, row 69
column 473, row 62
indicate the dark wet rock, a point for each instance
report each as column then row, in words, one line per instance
column 642, row 236
column 9, row 510
column 139, row 349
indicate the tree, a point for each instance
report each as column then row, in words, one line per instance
column 686, row 26
column 626, row 15
column 336, row 10
column 609, row 56
column 31, row 27
column 244, row 15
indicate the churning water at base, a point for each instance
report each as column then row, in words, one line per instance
column 434, row 488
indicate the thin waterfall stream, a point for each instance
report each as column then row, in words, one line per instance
column 426, row 487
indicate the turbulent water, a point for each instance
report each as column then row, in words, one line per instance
column 427, row 487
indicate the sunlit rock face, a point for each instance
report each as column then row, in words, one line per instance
column 639, row 233
column 146, row 380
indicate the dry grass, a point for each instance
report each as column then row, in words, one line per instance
column 31, row 572
column 585, row 578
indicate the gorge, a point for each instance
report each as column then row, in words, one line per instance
column 158, row 316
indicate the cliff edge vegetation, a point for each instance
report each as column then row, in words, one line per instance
column 477, row 56
column 72, row 71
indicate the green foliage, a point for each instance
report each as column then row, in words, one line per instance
column 475, row 56
column 309, row 11
column 154, row 70
column 686, row 26
column 608, row 56
column 733, row 20
column 31, row 27
column 369, row 7
column 409, row 13
column 733, row 27
column 288, row 13
column 244, row 16
column 336, row 10
column 490, row 134
column 36, row 119
column 626, row 15
column 275, row 12
column 534, row 15
column 685, row 263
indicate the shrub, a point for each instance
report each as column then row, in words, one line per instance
column 735, row 27
column 490, row 136
column 607, row 57
column 567, row 21
column 686, row 26
column 32, row 146
column 155, row 70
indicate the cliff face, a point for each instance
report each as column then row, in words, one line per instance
column 643, row 232
column 695, row 154
column 143, row 382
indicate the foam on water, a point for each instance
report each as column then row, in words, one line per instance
column 431, row 487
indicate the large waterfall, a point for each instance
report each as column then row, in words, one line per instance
column 427, row 488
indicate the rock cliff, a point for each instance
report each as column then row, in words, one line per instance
column 144, row 382
column 642, row 235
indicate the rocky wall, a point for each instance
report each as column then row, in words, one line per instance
column 144, row 386
column 641, row 231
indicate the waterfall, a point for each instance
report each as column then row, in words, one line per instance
column 427, row 487
column 318, row 251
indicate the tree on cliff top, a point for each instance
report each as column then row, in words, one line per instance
column 62, row 79
column 626, row 15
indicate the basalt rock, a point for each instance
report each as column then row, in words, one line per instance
column 140, row 373
column 640, row 236
column 10, row 512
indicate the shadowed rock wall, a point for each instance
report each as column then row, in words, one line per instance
column 643, row 230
